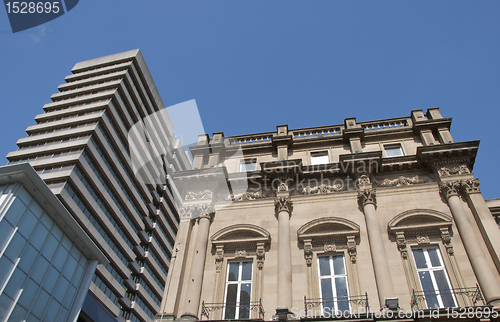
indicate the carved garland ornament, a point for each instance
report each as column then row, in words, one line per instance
column 401, row 181
column 196, row 211
column 448, row 171
column 323, row 188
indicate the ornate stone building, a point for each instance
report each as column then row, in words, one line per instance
column 381, row 216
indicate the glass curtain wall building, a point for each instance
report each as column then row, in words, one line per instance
column 79, row 147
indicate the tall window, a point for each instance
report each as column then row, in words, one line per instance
column 319, row 158
column 333, row 283
column 433, row 278
column 393, row 150
column 238, row 290
column 248, row 165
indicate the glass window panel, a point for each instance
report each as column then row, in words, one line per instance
column 77, row 276
column 342, row 294
column 24, row 196
column 244, row 312
column 15, row 212
column 28, row 258
column 444, row 288
column 246, row 271
column 231, row 294
column 69, row 297
column 66, row 242
column 50, row 247
column 428, row 288
column 39, row 236
column 75, row 253
column 61, row 288
column 27, row 224
column 233, row 273
column 18, row 314
column 15, row 247
column 393, row 150
column 36, row 209
column 324, row 266
column 6, row 230
column 52, row 311
column 29, row 292
column 327, row 294
column 418, row 255
column 338, row 265
column 5, row 267
column 5, row 304
column 41, row 267
column 50, row 280
column 15, row 283
column 63, row 315
column 434, row 256
column 69, row 268
column 57, row 232
column 60, row 258
column 46, row 221
column 40, row 303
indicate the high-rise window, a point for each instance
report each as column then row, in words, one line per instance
column 333, row 284
column 248, row 165
column 238, row 290
column 433, row 278
column 320, row 157
column 393, row 150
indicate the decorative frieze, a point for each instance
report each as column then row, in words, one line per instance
column 367, row 197
column 323, row 188
column 247, row 196
column 203, row 195
column 196, row 211
column 448, row 171
column 402, row 181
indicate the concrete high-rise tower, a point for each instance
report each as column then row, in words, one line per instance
column 80, row 148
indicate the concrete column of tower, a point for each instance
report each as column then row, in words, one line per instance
column 283, row 210
column 194, row 285
column 484, row 274
column 380, row 265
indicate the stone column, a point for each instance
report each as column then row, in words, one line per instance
column 380, row 265
column 195, row 281
column 283, row 206
column 487, row 280
column 485, row 221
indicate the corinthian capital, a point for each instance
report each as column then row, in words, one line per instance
column 367, row 197
column 449, row 189
column 283, row 204
column 470, row 186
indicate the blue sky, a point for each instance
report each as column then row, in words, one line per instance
column 252, row 65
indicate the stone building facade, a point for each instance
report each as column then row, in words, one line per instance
column 380, row 216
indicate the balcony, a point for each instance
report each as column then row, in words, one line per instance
column 232, row 311
column 463, row 297
column 329, row 307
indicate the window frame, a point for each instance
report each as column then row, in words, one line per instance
column 239, row 283
column 332, row 277
column 431, row 271
column 245, row 162
column 393, row 146
column 321, row 154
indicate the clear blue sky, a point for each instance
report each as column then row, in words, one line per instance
column 252, row 65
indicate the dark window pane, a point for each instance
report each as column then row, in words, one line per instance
column 428, row 288
column 324, row 266
column 327, row 294
column 342, row 294
column 233, row 272
column 338, row 265
column 434, row 256
column 232, row 290
column 418, row 255
column 246, row 271
column 245, row 301
column 444, row 288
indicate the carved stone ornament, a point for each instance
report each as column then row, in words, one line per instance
column 240, row 253
column 308, row 251
column 363, row 179
column 351, row 248
column 367, row 197
column 323, row 188
column 450, row 189
column 219, row 257
column 283, row 204
column 283, row 186
column 446, row 238
column 330, row 248
column 422, row 240
column 207, row 194
column 401, row 181
column 401, row 242
column 247, row 196
column 261, row 255
column 448, row 171
column 470, row 186
column 196, row 211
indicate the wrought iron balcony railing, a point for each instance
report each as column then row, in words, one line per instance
column 467, row 296
column 332, row 306
column 232, row 311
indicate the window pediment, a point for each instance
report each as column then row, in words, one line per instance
column 241, row 233
column 328, row 226
column 419, row 219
